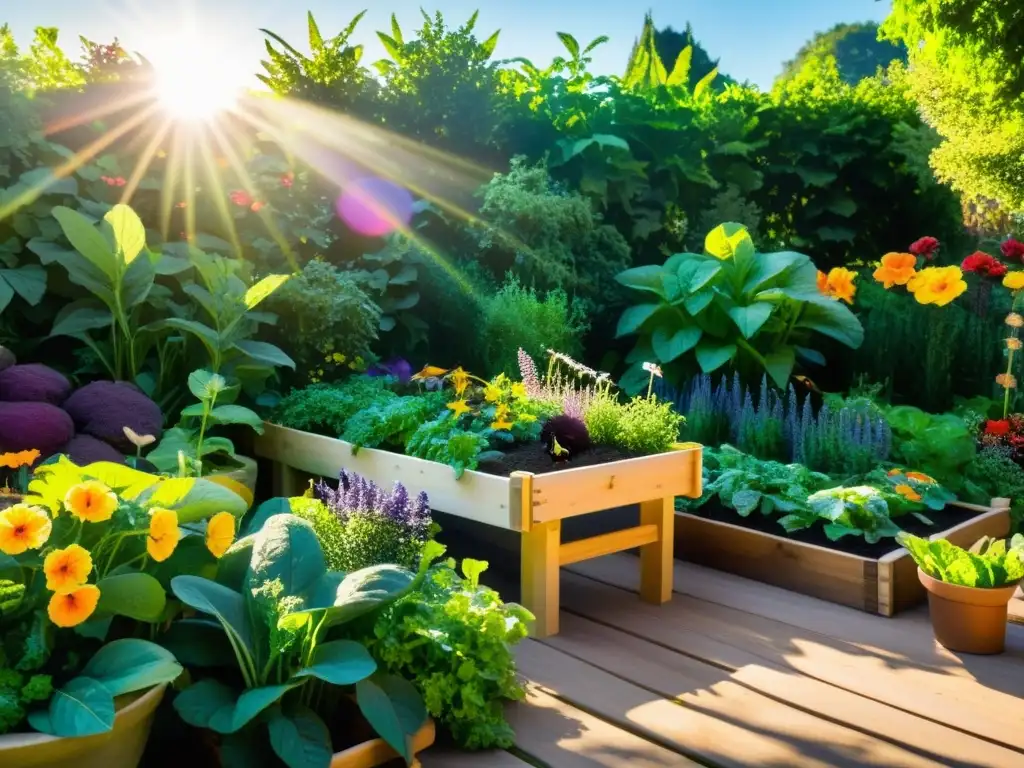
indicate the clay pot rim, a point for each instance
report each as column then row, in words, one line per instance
column 983, row 596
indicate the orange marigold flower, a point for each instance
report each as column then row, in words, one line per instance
column 18, row 459
column 838, row 284
column 1014, row 320
column 91, row 501
column 220, row 533
column 67, row 569
column 163, row 534
column 907, row 492
column 23, row 527
column 71, row 609
column 896, row 269
column 1013, row 343
column 1006, row 381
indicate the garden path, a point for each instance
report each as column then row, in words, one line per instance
column 736, row 673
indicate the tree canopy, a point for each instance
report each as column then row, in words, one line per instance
column 857, row 51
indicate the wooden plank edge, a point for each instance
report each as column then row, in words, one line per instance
column 607, row 544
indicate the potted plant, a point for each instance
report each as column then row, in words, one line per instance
column 289, row 679
column 80, row 575
column 968, row 590
column 16, row 467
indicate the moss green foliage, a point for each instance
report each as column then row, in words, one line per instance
column 967, row 74
column 326, row 408
column 993, row 474
column 325, row 320
column 25, row 650
column 549, row 236
column 390, row 422
column 938, row 445
column 641, row 425
column 855, row 49
column 518, row 317
column 329, row 530
column 444, row 441
column 602, row 419
column 995, row 565
column 453, row 639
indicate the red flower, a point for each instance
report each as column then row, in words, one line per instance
column 288, row 179
column 256, row 206
column 982, row 264
column 1013, row 250
column 113, row 181
column 926, row 246
column 241, row 198
column 997, row 428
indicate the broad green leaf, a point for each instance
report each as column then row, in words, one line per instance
column 770, row 265
column 392, row 46
column 82, row 707
column 704, row 83
column 234, row 564
column 88, row 241
column 81, row 316
column 749, row 319
column 237, row 414
column 80, row 270
column 696, row 273
column 634, row 317
column 131, row 664
column 340, row 662
column 746, row 501
column 249, row 705
column 287, row 549
column 193, row 498
column 202, row 702
column 487, row 46
column 263, row 289
column 729, row 241
column 6, row 293
column 265, row 353
column 712, row 355
column 138, row 596
column 570, row 43
column 128, row 230
column 137, row 283
column 198, row 642
column 299, row 737
column 359, row 593
column 276, row 506
column 811, row 355
column 216, row 600
column 647, row 278
column 670, row 343
column 28, row 281
column 206, row 385
column 779, row 365
column 698, row 302
column 680, row 75
column 204, row 333
column 833, row 319
column 395, row 710
column 815, row 177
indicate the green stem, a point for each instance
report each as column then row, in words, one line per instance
column 1009, row 360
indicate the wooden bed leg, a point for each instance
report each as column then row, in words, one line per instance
column 540, row 575
column 656, row 557
column 286, row 481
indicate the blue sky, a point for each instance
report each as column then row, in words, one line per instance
column 752, row 37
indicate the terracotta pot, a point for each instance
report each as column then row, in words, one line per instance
column 968, row 619
column 122, row 747
column 376, row 752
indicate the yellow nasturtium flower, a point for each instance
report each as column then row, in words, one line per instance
column 163, row 534
column 838, row 284
column 908, row 493
column 71, row 609
column 492, row 394
column 91, row 501
column 1014, row 281
column 937, row 285
column 23, row 527
column 896, row 269
column 67, row 569
column 220, row 533
column 459, row 407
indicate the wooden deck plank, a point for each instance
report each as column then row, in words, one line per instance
column 447, row 758
column 666, row 668
column 713, row 720
column 563, row 736
column 967, row 694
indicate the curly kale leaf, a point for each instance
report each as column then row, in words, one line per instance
column 326, row 408
column 443, row 441
column 391, row 422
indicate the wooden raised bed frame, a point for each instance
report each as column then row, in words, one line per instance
column 532, row 505
column 884, row 586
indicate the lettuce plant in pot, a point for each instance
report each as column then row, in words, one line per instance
column 276, row 675
column 968, row 590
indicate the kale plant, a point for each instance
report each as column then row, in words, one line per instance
column 325, row 409
column 444, row 441
column 858, row 511
column 392, row 422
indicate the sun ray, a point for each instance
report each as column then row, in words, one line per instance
column 144, row 161
column 95, row 113
column 219, row 194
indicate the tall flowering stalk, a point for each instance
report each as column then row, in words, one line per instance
column 567, row 383
column 1015, row 282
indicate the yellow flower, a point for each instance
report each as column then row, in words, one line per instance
column 67, row 569
column 460, row 407
column 1014, row 280
column 894, row 472
column 519, row 391
column 163, row 534
column 908, row 493
column 91, row 501
column 896, row 269
column 501, row 424
column 460, row 380
column 1013, row 343
column 838, row 284
column 501, row 418
column 1006, row 381
column 527, row 418
column 429, row 372
column 937, row 285
column 71, row 609
column 1014, row 320
column 18, row 459
column 920, row 477
column 492, row 393
column 23, row 527
column 220, row 533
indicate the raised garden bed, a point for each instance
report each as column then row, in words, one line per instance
column 880, row 578
column 530, row 504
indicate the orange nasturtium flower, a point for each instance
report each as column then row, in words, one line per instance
column 23, row 527
column 67, row 569
column 91, row 501
column 896, row 269
column 1014, row 281
column 921, row 477
column 429, row 372
column 907, row 492
column 71, row 609
column 163, row 534
column 937, row 285
column 18, row 459
column 838, row 284
column 220, row 533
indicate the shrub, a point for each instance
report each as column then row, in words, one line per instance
column 602, row 419
column 648, row 426
column 326, row 408
column 518, row 317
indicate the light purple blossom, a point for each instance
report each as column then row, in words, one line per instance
column 357, row 495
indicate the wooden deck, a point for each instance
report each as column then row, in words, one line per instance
column 737, row 673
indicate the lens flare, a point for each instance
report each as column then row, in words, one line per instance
column 375, row 207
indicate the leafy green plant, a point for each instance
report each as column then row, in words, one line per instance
column 326, row 408
column 444, row 441
column 857, row 511
column 391, row 422
column 939, row 445
column 731, row 305
column 995, row 566
column 192, row 450
column 642, row 425
column 275, row 603
column 453, row 639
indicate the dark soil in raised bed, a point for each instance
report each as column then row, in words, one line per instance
column 533, row 457
column 943, row 520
